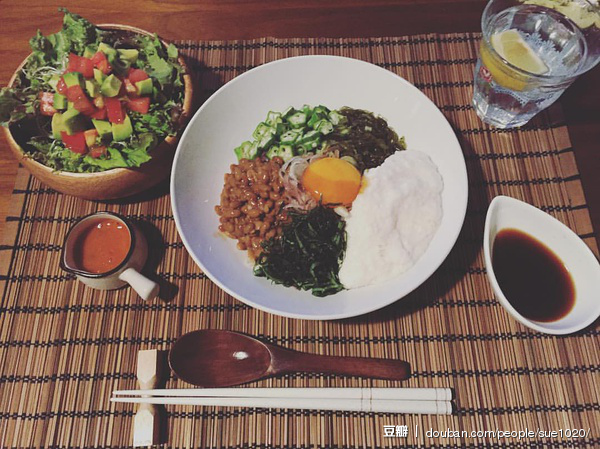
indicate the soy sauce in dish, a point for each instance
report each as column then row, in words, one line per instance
column 533, row 279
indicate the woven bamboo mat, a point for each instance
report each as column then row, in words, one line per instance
column 64, row 348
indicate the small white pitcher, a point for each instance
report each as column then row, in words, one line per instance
column 127, row 272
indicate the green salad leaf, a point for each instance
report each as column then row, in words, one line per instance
column 160, row 69
column 49, row 54
column 53, row 150
column 15, row 105
column 172, row 51
column 78, row 31
column 115, row 159
column 137, row 151
column 158, row 121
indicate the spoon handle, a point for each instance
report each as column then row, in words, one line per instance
column 293, row 361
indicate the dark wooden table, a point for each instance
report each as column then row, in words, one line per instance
column 220, row 19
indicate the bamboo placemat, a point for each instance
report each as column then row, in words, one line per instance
column 64, row 348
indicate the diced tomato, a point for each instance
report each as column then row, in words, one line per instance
column 98, row 57
column 61, row 87
column 130, row 88
column 141, row 105
column 85, row 106
column 74, row 63
column 105, row 67
column 99, row 114
column 114, row 110
column 100, row 61
column 80, row 100
column 47, row 103
column 47, row 109
column 123, row 88
column 47, row 97
column 75, row 93
column 75, row 142
column 136, row 75
column 98, row 151
column 86, row 67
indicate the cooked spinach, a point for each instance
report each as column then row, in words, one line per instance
column 308, row 253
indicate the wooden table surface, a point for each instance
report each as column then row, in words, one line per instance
column 226, row 19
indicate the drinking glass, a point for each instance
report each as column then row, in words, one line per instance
column 563, row 34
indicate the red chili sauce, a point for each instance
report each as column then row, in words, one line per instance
column 101, row 246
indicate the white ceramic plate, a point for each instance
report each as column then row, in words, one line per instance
column 505, row 213
column 205, row 152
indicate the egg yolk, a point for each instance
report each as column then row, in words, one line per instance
column 332, row 180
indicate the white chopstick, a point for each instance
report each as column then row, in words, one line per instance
column 406, row 394
column 351, row 405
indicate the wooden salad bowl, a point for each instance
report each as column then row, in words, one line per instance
column 117, row 182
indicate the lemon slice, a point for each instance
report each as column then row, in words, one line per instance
column 511, row 46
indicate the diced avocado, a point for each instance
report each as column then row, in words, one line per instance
column 73, row 79
column 122, row 131
column 104, row 128
column 60, row 102
column 69, row 117
column 111, row 86
column 92, row 88
column 57, row 125
column 107, row 50
column 99, row 76
column 90, row 137
column 54, row 80
column 69, row 122
column 99, row 101
column 128, row 54
column 70, row 105
column 89, row 52
column 144, row 87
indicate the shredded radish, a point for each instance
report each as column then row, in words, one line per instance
column 291, row 174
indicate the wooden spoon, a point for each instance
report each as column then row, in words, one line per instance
column 215, row 358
